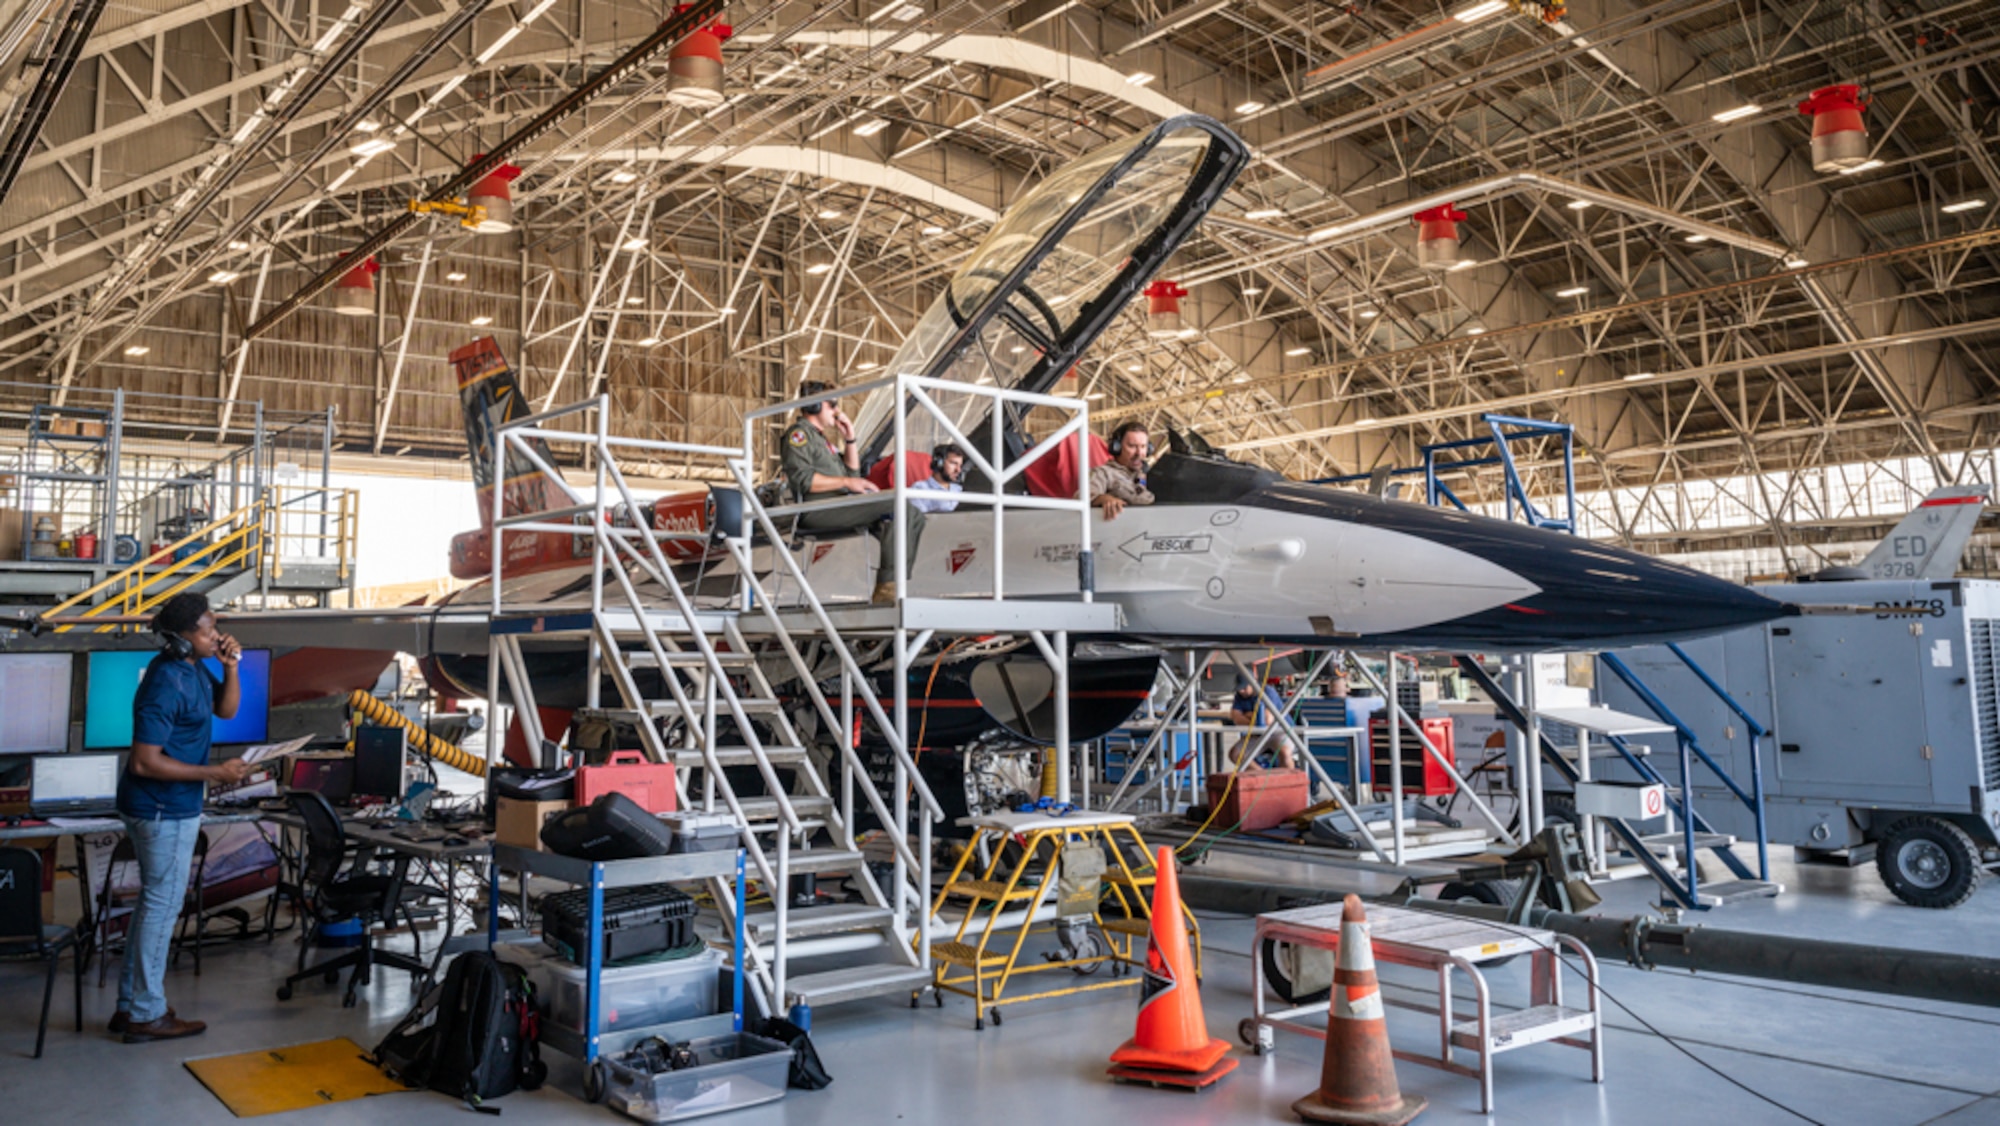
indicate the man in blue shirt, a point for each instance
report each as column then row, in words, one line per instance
column 159, row 799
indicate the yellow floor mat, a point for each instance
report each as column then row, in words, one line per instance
column 303, row 1075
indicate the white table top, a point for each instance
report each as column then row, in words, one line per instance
column 1604, row 721
column 1410, row 930
column 1032, row 822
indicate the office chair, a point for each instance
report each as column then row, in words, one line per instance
column 336, row 891
column 22, row 929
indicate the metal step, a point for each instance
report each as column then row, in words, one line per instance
column 853, row 983
column 1523, row 1027
column 1734, row 891
column 805, row 922
column 825, row 860
column 740, row 756
column 689, row 658
column 812, row 811
column 1670, row 844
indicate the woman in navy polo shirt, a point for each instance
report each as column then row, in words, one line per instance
column 159, row 799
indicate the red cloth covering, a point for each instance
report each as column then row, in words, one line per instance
column 918, row 468
column 1054, row 475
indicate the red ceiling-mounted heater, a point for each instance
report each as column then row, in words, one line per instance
column 354, row 293
column 1163, row 309
column 1839, row 136
column 1437, row 237
column 694, row 66
column 493, row 196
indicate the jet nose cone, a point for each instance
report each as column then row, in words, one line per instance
column 1593, row 593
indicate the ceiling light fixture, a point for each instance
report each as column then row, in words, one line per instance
column 1017, row 349
column 1264, row 213
column 1864, row 166
column 1475, row 331
column 1639, row 375
column 1369, row 314
column 224, row 277
column 871, row 126
column 1697, row 238
column 499, row 42
column 1239, row 377
column 1739, row 112
column 137, row 350
column 1252, row 290
column 1464, row 264
column 1140, row 77
column 1301, row 351
column 1480, row 11
column 1135, row 367
column 1251, row 106
column 1573, row 291
column 239, row 244
column 829, row 213
column 818, row 268
column 536, row 12
column 1094, row 396
column 933, row 229
column 1962, row 205
column 867, row 365
column 648, row 341
column 726, row 310
column 366, row 126
column 481, row 320
column 1796, row 263
column 1368, row 422
column 374, row 146
column 623, row 176
column 455, row 276
column 636, row 243
column 635, row 301
column 1578, row 204
column 809, row 357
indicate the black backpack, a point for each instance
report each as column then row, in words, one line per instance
column 474, row 1036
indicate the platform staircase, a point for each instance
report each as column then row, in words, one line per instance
column 224, row 559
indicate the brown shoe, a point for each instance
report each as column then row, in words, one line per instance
column 122, row 1020
column 169, row 1027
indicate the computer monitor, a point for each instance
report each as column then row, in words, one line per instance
column 34, row 702
column 59, row 784
column 378, row 761
column 113, row 680
column 330, row 777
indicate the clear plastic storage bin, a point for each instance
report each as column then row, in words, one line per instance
column 631, row 996
column 731, row 1072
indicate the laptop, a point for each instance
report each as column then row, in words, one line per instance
column 332, row 776
column 73, row 785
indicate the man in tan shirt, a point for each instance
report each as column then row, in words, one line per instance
column 1122, row 480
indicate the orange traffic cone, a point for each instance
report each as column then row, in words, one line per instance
column 1357, row 1082
column 1171, row 1045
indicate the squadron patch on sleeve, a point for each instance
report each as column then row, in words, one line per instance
column 796, row 436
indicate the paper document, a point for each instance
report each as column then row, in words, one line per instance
column 273, row 750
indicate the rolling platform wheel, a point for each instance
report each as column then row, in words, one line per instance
column 996, row 1016
column 1278, row 977
column 285, row 992
column 1246, row 1031
column 596, row 1081
column 937, row 998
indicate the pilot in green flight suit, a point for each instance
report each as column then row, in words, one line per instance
column 815, row 467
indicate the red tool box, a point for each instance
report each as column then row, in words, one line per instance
column 1260, row 799
column 651, row 784
column 1421, row 773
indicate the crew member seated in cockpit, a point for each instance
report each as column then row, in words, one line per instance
column 820, row 459
column 1122, row 480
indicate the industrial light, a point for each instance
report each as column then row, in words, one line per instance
column 481, row 320
column 1018, row 349
column 374, row 146
column 1188, row 333
column 1298, row 351
column 810, row 357
column 224, row 277
column 829, row 213
column 1249, row 107
column 137, row 350
column 1135, row 367
column 1578, row 204
column 819, row 268
column 726, row 310
column 366, row 126
column 635, row 243
column 934, row 229
column 1573, row 291
column 499, row 42
column 1480, row 11
column 1140, row 77
column 1464, row 264
column 1638, row 375
column 623, row 177
column 1864, row 166
column 1252, row 290
column 867, row 365
column 1475, row 331
column 1369, row 314
column 635, row 301
column 1962, row 205
column 1094, row 396
column 648, row 341
column 455, row 276
column 1743, row 111
column 871, row 127
column 1368, row 422
column 239, row 244
column 535, row 12
column 1264, row 213
column 1239, row 377
column 1796, row 263
column 1697, row 238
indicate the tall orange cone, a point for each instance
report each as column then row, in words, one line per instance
column 1171, row 1045
column 1357, row 1083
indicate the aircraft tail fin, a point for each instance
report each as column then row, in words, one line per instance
column 489, row 394
column 1928, row 542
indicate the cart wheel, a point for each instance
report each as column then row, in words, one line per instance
column 1246, row 1031
column 1278, row 977
column 996, row 1016
column 937, row 998
column 284, row 992
column 595, row 1079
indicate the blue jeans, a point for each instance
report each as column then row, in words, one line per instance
column 166, row 852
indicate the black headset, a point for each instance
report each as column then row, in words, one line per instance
column 1118, row 438
column 175, row 645
column 938, row 456
column 810, row 388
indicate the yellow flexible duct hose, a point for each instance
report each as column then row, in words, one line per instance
column 439, row 750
